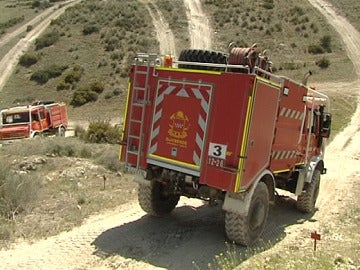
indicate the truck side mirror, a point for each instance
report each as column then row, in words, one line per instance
column 326, row 125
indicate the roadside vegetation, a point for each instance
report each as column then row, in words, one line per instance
column 349, row 9
column 96, row 42
column 297, row 39
column 52, row 184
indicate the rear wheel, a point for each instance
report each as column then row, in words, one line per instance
column 307, row 199
column 245, row 229
column 157, row 199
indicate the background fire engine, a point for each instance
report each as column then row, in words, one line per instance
column 42, row 118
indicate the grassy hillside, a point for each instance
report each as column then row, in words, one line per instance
column 350, row 9
column 288, row 32
column 95, row 41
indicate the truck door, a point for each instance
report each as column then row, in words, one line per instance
column 179, row 125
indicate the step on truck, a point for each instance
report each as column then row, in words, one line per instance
column 222, row 127
column 42, row 118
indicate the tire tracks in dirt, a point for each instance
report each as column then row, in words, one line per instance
column 199, row 25
column 164, row 35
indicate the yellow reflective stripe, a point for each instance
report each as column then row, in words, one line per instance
column 281, row 171
column 125, row 116
column 190, row 70
column 244, row 141
column 267, row 81
column 176, row 162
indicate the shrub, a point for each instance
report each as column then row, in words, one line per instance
column 17, row 192
column 82, row 96
column 47, row 40
column 323, row 63
column 42, row 76
column 72, row 77
column 89, row 29
column 325, row 42
column 97, row 87
column 28, row 59
column 102, row 132
column 62, row 85
column 315, row 49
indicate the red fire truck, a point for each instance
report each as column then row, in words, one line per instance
column 42, row 118
column 221, row 126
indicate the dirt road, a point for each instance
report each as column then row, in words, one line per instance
column 199, row 25
column 164, row 35
column 10, row 60
column 126, row 238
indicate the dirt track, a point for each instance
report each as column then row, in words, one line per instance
column 10, row 60
column 128, row 239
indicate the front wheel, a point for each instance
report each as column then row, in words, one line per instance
column 307, row 199
column 246, row 229
column 157, row 199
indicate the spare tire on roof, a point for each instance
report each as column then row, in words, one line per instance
column 202, row 56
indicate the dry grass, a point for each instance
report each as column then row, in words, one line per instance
column 350, row 9
column 64, row 186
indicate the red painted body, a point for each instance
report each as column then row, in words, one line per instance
column 224, row 128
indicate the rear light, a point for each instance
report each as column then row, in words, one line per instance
column 168, row 61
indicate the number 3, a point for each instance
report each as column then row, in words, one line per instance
column 217, row 152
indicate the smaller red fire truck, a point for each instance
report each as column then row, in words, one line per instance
column 221, row 126
column 42, row 118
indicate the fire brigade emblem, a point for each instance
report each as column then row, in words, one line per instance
column 179, row 125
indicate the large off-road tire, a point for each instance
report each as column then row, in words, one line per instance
column 307, row 199
column 246, row 229
column 156, row 199
column 202, row 56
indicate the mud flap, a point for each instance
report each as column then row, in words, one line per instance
column 239, row 203
column 300, row 181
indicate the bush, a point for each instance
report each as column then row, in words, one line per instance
column 42, row 76
column 72, row 77
column 323, row 63
column 62, row 85
column 102, row 132
column 82, row 96
column 47, row 40
column 89, row 29
column 315, row 49
column 325, row 42
column 17, row 192
column 97, row 87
